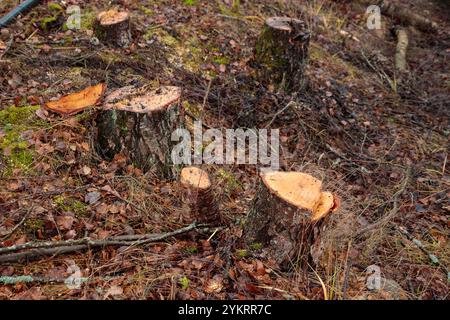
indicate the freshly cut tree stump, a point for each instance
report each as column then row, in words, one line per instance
column 198, row 195
column 288, row 215
column 113, row 27
column 281, row 53
column 140, row 124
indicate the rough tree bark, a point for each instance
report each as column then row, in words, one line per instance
column 113, row 27
column 140, row 124
column 198, row 195
column 281, row 53
column 288, row 216
column 402, row 46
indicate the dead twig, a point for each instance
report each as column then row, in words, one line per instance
column 37, row 249
column 17, row 225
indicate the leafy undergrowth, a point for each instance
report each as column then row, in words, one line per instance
column 356, row 126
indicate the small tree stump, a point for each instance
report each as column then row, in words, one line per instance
column 140, row 124
column 281, row 53
column 198, row 195
column 113, row 27
column 287, row 215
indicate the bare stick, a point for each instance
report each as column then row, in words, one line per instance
column 36, row 249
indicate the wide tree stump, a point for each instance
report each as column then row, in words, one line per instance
column 288, row 215
column 140, row 124
column 281, row 53
column 198, row 195
column 113, row 27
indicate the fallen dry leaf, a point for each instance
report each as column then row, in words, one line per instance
column 114, row 291
column 214, row 285
column 76, row 102
column 65, row 222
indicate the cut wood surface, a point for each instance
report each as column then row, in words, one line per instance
column 198, row 195
column 113, row 27
column 288, row 213
column 140, row 123
column 281, row 53
column 77, row 102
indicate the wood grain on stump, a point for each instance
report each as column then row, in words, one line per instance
column 281, row 53
column 140, row 124
column 288, row 214
column 198, row 195
column 113, row 27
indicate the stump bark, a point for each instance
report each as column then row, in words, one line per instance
column 198, row 195
column 281, row 53
column 140, row 124
column 400, row 52
column 288, row 215
column 113, row 27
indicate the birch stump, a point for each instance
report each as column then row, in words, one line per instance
column 288, row 215
column 281, row 53
column 400, row 52
column 198, row 195
column 140, row 124
column 113, row 27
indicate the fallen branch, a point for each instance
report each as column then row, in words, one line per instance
column 37, row 249
column 404, row 15
column 17, row 226
column 6, row 280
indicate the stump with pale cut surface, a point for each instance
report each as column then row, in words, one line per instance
column 198, row 195
column 140, row 123
column 289, row 212
column 113, row 27
column 281, row 53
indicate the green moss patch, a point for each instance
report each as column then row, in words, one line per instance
column 13, row 146
column 68, row 204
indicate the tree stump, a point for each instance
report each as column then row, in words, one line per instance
column 287, row 216
column 140, row 124
column 281, row 53
column 113, row 27
column 198, row 195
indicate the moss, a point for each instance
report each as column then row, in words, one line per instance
column 233, row 11
column 48, row 23
column 190, row 250
column 222, row 60
column 242, row 253
column 17, row 115
column 190, row 2
column 256, row 246
column 184, row 283
column 188, row 52
column 68, row 204
column 14, row 121
column 54, row 7
column 146, row 10
column 32, row 225
column 87, row 20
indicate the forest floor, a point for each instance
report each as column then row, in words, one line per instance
column 378, row 141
